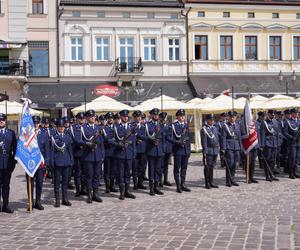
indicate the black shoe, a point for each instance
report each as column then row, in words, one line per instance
column 7, row 209
column 213, row 185
column 135, row 183
column 253, row 181
column 96, row 196
column 89, row 197
column 291, row 176
column 275, row 179
column 70, row 186
column 178, row 188
column 38, row 204
column 185, row 188
column 66, row 202
column 234, row 184
column 122, row 193
column 57, row 203
column 156, row 189
column 77, row 194
column 269, row 179
column 167, row 183
column 141, row 185
column 151, row 186
column 207, row 186
column 128, row 194
column 228, row 184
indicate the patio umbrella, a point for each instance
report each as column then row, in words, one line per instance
column 281, row 102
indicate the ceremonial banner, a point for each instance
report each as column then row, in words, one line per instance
column 28, row 153
column 249, row 134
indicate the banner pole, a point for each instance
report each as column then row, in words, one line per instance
column 247, row 168
column 30, row 194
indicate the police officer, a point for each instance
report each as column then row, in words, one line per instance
column 260, row 118
column 279, row 127
column 92, row 156
column 139, row 162
column 179, row 135
column 124, row 153
column 62, row 162
column 155, row 151
column 49, row 131
column 219, row 126
column 231, row 147
column 42, row 139
column 109, row 171
column 291, row 133
column 79, row 171
column 210, row 148
column 143, row 122
column 8, row 143
column 168, row 148
column 269, row 143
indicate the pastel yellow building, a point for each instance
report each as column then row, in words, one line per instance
column 244, row 44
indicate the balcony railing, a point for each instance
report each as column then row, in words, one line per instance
column 13, row 67
column 129, row 65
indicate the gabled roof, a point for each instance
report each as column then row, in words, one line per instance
column 125, row 3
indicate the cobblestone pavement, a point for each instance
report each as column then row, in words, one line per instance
column 256, row 216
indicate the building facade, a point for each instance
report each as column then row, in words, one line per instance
column 129, row 49
column 245, row 45
column 27, row 39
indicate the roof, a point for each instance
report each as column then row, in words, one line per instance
column 257, row 2
column 126, row 3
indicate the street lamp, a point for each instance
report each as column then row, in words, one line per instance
column 281, row 79
column 127, row 87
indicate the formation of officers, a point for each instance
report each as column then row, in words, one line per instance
column 119, row 150
column 110, row 146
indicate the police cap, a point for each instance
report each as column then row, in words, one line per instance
column 154, row 111
column 180, row 112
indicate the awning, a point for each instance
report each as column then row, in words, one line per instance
column 71, row 94
column 10, row 44
column 243, row 84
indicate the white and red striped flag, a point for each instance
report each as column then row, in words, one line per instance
column 249, row 134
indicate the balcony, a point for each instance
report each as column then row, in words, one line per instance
column 13, row 68
column 129, row 67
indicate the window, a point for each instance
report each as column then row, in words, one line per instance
column 275, row 47
column 275, row 15
column 201, row 48
column 174, row 49
column 38, row 58
column 150, row 15
column 125, row 14
column 298, row 15
column 251, row 15
column 149, row 49
column 37, row 7
column 201, row 14
column 75, row 13
column 127, row 53
column 101, row 14
column 250, row 47
column 174, row 16
column 226, row 14
column 102, row 45
column 296, row 47
column 226, row 48
column 76, row 49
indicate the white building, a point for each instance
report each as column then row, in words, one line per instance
column 136, row 46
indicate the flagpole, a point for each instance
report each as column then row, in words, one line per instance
column 30, row 194
column 247, row 168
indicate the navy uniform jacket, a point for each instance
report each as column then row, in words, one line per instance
column 75, row 132
column 279, row 127
column 177, row 132
column 219, row 126
column 91, row 133
column 168, row 147
column 290, row 131
column 62, row 150
column 43, row 142
column 140, row 139
column 268, row 133
column 124, row 133
column 155, row 131
column 231, row 136
column 210, row 140
column 109, row 132
column 8, row 144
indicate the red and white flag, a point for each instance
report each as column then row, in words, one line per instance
column 226, row 92
column 249, row 134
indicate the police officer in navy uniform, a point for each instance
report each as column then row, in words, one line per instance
column 49, row 132
column 143, row 122
column 292, row 133
column 179, row 135
column 219, row 126
column 261, row 117
column 269, row 143
column 279, row 127
column 139, row 163
column 42, row 139
column 8, row 143
column 168, row 148
column 93, row 155
column 109, row 171
column 284, row 148
column 124, row 153
column 231, row 147
column 62, row 153
column 155, row 150
column 210, row 149
column 79, row 171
